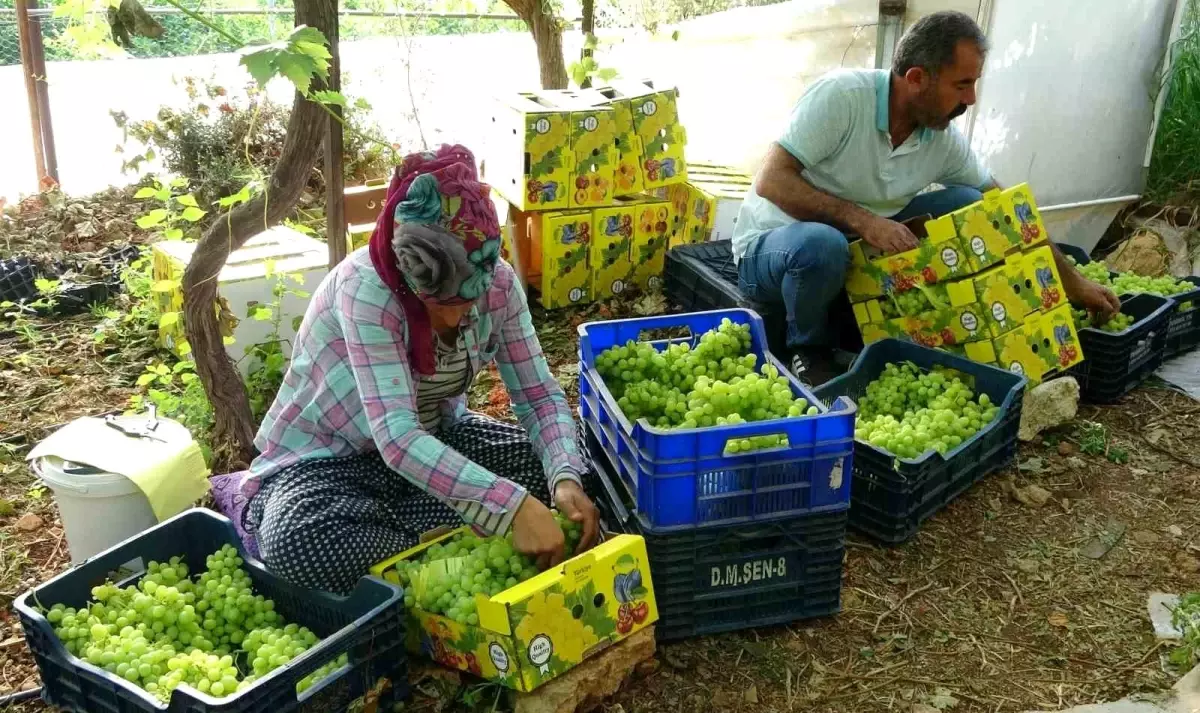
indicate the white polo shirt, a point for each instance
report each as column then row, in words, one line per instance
column 839, row 132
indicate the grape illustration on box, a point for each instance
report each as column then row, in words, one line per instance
column 627, row 586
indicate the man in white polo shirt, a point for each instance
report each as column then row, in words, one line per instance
column 859, row 147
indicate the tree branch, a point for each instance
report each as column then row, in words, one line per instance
column 234, row 427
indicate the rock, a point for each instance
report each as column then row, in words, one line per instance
column 585, row 687
column 1100, row 545
column 1048, row 405
column 1175, row 531
column 29, row 522
column 1065, row 448
column 1027, row 566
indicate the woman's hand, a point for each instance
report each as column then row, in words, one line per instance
column 576, row 505
column 537, row 534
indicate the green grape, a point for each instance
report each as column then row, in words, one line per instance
column 908, row 412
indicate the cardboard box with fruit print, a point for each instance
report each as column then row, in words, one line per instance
column 1000, row 295
column 611, row 250
column 942, row 327
column 1044, row 344
column 1043, row 285
column 872, row 274
column 1023, row 215
column 551, row 150
column 656, row 123
column 982, row 230
column 563, row 242
column 654, row 223
column 539, row 629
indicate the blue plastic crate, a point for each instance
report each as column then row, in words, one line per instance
column 715, row 578
column 367, row 625
column 682, row 477
column 1114, row 363
column 893, row 496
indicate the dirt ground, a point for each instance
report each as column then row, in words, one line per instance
column 994, row 606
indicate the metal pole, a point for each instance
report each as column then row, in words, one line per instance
column 891, row 23
column 335, row 184
column 43, row 90
column 31, row 92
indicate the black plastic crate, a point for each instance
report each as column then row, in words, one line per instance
column 1183, row 325
column 703, row 276
column 715, row 578
column 890, row 496
column 367, row 625
column 17, row 277
column 1115, row 364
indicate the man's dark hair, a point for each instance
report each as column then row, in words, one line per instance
column 930, row 42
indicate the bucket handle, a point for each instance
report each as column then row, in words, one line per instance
column 58, row 484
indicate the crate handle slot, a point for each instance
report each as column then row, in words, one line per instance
column 618, row 504
column 786, row 443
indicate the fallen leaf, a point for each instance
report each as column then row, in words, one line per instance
column 6, row 508
column 1058, row 619
column 942, row 700
column 1145, row 537
column 1139, row 471
column 1186, row 563
column 1175, row 531
column 1033, row 465
column 29, row 522
column 1032, row 495
column 1027, row 566
column 1155, row 435
column 751, row 694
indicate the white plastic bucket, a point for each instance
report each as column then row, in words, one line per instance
column 98, row 509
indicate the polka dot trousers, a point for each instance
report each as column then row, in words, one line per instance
column 322, row 524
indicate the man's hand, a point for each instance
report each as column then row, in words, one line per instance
column 1098, row 300
column 888, row 235
column 576, row 505
column 536, row 534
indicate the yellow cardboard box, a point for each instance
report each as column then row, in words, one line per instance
column 611, row 250
column 939, row 257
column 1042, row 282
column 1045, row 343
column 982, row 231
column 653, row 224
column 656, row 121
column 546, row 625
column 1000, row 294
column 1023, row 215
column 566, row 272
column 628, row 174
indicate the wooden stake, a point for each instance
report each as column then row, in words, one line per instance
column 28, row 68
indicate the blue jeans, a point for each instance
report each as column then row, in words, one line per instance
column 803, row 265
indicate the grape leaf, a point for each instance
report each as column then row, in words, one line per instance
column 151, row 219
column 187, row 199
column 191, row 214
column 146, row 192
column 328, row 97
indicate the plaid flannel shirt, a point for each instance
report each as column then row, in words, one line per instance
column 350, row 389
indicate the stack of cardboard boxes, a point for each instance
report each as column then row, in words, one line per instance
column 600, row 188
column 982, row 284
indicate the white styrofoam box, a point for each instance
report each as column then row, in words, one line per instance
column 244, row 280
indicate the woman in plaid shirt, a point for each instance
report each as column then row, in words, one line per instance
column 369, row 442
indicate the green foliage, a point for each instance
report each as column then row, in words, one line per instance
column 175, row 214
column 1186, row 619
column 1175, row 164
column 587, row 69
column 299, row 58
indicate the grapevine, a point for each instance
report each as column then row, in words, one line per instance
column 909, row 412
column 170, row 629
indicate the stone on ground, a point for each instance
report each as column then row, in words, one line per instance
column 585, row 687
column 1048, row 405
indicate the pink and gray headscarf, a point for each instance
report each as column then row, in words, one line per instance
column 436, row 240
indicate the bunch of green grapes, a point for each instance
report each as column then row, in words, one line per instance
column 907, row 411
column 1128, row 283
column 449, row 574
column 168, row 629
column 718, row 382
column 1096, row 271
column 906, row 304
column 1119, row 322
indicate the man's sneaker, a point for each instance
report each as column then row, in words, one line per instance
column 814, row 365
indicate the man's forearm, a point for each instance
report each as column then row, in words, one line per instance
column 781, row 182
